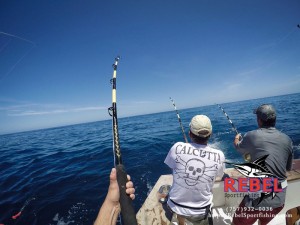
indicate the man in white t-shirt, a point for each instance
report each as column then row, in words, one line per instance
column 195, row 167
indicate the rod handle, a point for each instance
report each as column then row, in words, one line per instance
column 127, row 210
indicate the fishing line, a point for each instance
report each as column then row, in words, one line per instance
column 4, row 46
column 268, row 52
column 17, row 215
column 127, row 210
column 23, row 207
column 286, row 36
column 21, row 58
column 179, row 119
column 14, row 66
column 15, row 36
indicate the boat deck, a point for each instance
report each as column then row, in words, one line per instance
column 152, row 211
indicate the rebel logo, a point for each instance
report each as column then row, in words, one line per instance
column 257, row 178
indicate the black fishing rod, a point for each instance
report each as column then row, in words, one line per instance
column 179, row 119
column 127, row 210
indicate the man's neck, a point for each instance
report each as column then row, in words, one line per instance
column 200, row 143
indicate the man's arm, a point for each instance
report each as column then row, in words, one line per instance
column 108, row 213
column 110, row 208
column 221, row 175
column 289, row 165
column 244, row 144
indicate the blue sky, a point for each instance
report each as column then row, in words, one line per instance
column 56, row 56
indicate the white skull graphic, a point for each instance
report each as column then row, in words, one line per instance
column 194, row 170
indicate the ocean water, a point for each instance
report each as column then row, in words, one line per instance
column 61, row 174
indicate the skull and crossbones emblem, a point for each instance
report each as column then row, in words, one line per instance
column 194, row 170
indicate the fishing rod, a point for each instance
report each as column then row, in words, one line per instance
column 247, row 156
column 229, row 120
column 127, row 210
column 179, row 119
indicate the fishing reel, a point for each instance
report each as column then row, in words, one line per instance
column 247, row 157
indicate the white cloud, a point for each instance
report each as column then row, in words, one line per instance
column 234, row 86
column 143, row 102
column 24, row 111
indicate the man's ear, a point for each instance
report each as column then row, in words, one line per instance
column 259, row 122
column 191, row 135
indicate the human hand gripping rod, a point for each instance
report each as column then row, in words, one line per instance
column 127, row 210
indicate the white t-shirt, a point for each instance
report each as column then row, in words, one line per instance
column 195, row 168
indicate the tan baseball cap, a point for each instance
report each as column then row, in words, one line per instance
column 200, row 125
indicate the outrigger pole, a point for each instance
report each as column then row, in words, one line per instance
column 127, row 210
column 182, row 129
